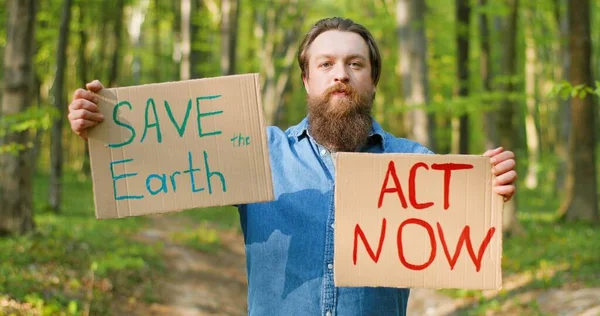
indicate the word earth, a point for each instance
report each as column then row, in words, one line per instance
column 161, row 178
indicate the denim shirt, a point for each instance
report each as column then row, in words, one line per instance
column 289, row 241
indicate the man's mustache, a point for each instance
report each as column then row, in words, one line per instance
column 339, row 87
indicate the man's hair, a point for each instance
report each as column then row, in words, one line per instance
column 340, row 24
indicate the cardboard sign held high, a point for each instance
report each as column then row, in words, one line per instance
column 408, row 220
column 173, row 146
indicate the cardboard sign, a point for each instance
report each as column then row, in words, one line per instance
column 408, row 220
column 174, row 146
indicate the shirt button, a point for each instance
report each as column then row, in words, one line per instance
column 323, row 152
column 330, row 266
column 328, row 313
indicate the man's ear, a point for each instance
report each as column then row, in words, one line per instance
column 305, row 81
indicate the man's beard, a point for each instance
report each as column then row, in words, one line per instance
column 341, row 124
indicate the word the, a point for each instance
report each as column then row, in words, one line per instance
column 447, row 168
column 151, row 111
column 465, row 237
column 240, row 141
column 157, row 183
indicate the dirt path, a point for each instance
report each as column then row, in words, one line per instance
column 200, row 283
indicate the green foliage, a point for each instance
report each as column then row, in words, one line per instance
column 204, row 238
column 72, row 255
column 565, row 90
column 222, row 217
column 33, row 119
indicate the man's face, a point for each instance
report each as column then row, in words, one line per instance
column 339, row 90
column 337, row 56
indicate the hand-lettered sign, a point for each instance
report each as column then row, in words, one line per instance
column 173, row 146
column 411, row 220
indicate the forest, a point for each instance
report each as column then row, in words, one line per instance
column 458, row 76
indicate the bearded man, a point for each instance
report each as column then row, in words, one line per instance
column 289, row 241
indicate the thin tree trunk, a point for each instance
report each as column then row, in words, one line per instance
column 83, row 76
column 229, row 23
column 16, row 211
column 186, row 40
column 533, row 146
column 564, row 115
column 403, row 18
column 506, row 127
column 410, row 17
column 581, row 202
column 99, row 66
column 156, row 42
column 136, row 21
column 463, row 17
column 114, row 70
column 276, row 78
column 56, row 150
column 176, row 31
column 489, row 118
column 199, row 56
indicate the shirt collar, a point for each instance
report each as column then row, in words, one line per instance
column 377, row 133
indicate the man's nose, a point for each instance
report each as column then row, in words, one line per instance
column 341, row 74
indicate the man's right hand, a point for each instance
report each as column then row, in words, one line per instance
column 83, row 110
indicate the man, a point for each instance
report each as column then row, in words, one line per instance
column 289, row 241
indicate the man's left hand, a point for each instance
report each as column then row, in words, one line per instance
column 503, row 167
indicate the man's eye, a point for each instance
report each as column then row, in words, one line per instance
column 356, row 65
column 325, row 64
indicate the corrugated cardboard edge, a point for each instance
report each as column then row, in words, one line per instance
column 89, row 144
column 263, row 139
column 497, row 209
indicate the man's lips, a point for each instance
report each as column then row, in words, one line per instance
column 340, row 93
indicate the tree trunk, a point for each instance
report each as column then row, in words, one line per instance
column 176, row 31
column 410, row 19
column 276, row 78
column 506, row 126
column 16, row 173
column 564, row 115
column 83, row 76
column 114, row 70
column 186, row 40
column 99, row 66
column 463, row 17
column 136, row 21
column 229, row 27
column 56, row 150
column 199, row 56
column 485, row 66
column 533, row 146
column 581, row 202
column 156, row 42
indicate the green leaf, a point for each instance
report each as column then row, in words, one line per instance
column 564, row 93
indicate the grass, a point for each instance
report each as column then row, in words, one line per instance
column 72, row 263
column 221, row 217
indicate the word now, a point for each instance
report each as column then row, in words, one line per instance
column 161, row 179
column 465, row 237
column 151, row 111
column 447, row 168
